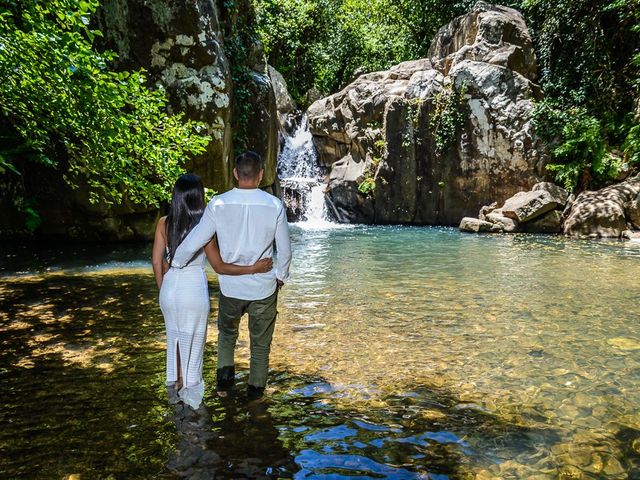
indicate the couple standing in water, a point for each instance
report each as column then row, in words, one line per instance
column 236, row 232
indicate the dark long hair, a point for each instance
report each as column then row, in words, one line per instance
column 185, row 211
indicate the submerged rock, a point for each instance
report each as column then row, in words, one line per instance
column 382, row 131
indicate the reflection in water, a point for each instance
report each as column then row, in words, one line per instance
column 399, row 353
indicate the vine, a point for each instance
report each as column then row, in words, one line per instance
column 368, row 184
column 447, row 117
column 239, row 38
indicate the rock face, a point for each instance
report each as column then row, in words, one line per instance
column 384, row 132
column 181, row 46
column 603, row 213
column 284, row 103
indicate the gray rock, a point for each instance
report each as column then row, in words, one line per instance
column 632, row 210
column 474, row 225
column 559, row 194
column 631, row 235
column 601, row 213
column 525, row 206
column 486, row 209
column 284, row 102
column 506, row 224
column 568, row 206
column 490, row 34
column 550, row 222
column 181, row 48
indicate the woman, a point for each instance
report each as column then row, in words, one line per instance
column 184, row 296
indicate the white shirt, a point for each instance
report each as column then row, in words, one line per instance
column 247, row 222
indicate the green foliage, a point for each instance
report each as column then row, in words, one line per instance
column 367, row 186
column 32, row 217
column 301, row 43
column 581, row 157
column 240, row 38
column 111, row 131
column 588, row 55
column 632, row 144
column 448, row 116
column 209, row 193
column 325, row 44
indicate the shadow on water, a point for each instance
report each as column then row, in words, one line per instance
column 82, row 372
column 81, row 369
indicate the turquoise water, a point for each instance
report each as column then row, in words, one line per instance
column 399, row 353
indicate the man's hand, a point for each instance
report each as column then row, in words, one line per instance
column 280, row 283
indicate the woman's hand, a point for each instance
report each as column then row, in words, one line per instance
column 263, row 265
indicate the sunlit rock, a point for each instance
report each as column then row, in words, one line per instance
column 482, row 66
column 507, row 224
column 469, row 224
column 559, row 194
column 602, row 213
column 525, row 206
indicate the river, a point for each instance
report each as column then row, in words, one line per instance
column 400, row 352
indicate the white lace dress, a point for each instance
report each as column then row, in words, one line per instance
column 184, row 301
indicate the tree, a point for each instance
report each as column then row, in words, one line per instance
column 58, row 93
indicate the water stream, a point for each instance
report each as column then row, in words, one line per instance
column 399, row 353
column 301, row 179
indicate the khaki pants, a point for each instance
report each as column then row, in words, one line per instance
column 262, row 321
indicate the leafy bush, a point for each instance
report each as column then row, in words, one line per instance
column 585, row 51
column 580, row 154
column 58, row 93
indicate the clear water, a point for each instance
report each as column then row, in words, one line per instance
column 399, row 353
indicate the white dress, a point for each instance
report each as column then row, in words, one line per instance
column 184, row 301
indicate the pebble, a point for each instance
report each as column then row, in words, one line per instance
column 613, row 467
column 624, row 343
column 570, row 472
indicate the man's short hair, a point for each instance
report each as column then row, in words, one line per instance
column 248, row 165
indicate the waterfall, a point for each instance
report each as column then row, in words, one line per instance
column 301, row 179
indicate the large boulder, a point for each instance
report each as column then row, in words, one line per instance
column 508, row 225
column 632, row 209
column 386, row 128
column 550, row 222
column 557, row 193
column 525, row 206
column 602, row 213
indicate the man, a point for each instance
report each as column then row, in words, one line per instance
column 247, row 221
